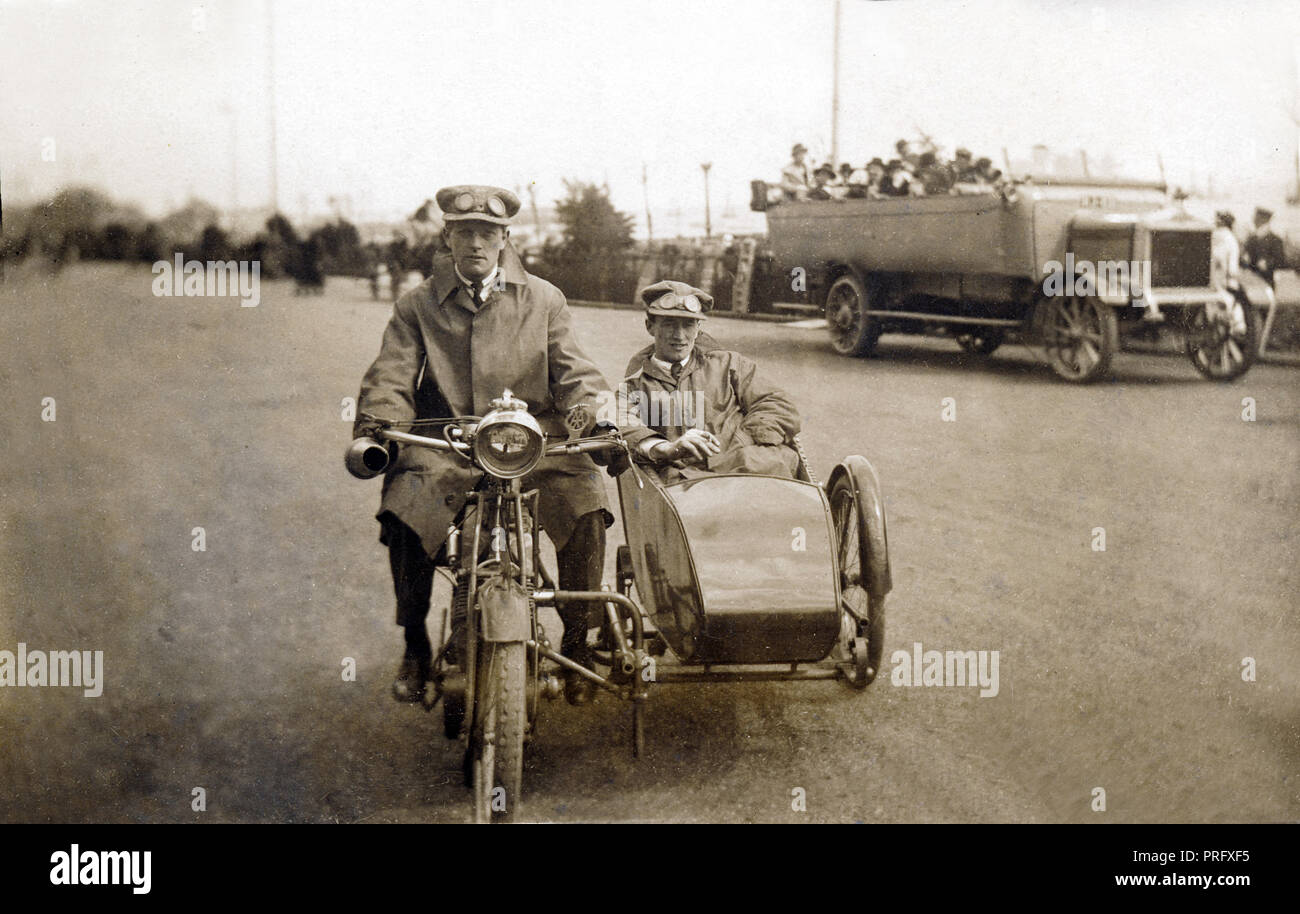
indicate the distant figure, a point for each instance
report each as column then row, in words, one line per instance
column 935, row 178
column 1225, row 253
column 794, row 177
column 397, row 254
column 821, row 179
column 897, row 180
column 846, row 172
column 961, row 170
column 1264, row 251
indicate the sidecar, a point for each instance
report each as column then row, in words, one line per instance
column 746, row 577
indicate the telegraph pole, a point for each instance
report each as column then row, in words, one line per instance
column 708, row 221
column 835, row 92
column 270, row 80
column 645, row 189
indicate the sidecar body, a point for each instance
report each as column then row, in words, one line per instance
column 754, row 570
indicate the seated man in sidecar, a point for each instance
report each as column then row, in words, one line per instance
column 702, row 409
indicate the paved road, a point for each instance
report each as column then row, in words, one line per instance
column 1119, row 670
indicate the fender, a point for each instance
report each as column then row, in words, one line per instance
column 866, row 487
column 503, row 606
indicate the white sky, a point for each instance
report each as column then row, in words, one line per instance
column 385, row 101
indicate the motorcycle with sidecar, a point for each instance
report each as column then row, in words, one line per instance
column 736, row 578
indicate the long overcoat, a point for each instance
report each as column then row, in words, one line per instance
column 444, row 355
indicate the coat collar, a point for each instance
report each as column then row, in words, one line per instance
column 446, row 283
column 645, row 365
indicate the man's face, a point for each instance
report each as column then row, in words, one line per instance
column 475, row 247
column 674, row 336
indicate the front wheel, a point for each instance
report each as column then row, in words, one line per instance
column 1081, row 335
column 1222, row 344
column 853, row 331
column 501, row 720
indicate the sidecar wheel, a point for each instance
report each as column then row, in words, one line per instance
column 864, row 569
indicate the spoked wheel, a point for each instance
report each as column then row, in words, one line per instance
column 1222, row 345
column 853, row 331
column 497, row 740
column 981, row 342
column 1080, row 336
column 864, row 572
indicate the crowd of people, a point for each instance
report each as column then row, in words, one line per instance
column 917, row 170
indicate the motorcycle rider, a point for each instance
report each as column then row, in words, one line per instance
column 479, row 324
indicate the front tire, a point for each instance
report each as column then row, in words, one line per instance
column 501, row 721
column 1081, row 335
column 1219, row 350
column 853, row 331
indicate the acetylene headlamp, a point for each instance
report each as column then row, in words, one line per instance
column 508, row 441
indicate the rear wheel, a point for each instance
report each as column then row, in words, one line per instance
column 1080, row 335
column 497, row 743
column 1224, row 345
column 860, row 536
column 853, row 331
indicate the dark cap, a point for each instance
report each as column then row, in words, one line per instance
column 477, row 202
column 825, row 169
column 963, row 153
column 876, row 161
column 669, row 298
column 798, row 148
column 1223, row 217
column 1263, row 212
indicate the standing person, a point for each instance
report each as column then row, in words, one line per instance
column 794, row 177
column 1225, row 253
column 1264, row 252
column 477, row 325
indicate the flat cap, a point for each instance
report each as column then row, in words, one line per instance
column 798, row 148
column 963, row 153
column 477, row 202
column 669, row 298
column 1263, row 212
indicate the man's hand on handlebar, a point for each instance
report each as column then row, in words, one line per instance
column 695, row 446
column 614, row 460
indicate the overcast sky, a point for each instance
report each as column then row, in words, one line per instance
column 383, row 102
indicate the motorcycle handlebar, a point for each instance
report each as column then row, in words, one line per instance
column 564, row 448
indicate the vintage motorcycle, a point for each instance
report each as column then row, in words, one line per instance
column 743, row 578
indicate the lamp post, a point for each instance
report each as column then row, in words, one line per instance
column 708, row 221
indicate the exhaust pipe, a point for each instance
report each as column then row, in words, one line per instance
column 366, row 458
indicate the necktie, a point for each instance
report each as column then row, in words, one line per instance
column 476, row 292
column 677, row 370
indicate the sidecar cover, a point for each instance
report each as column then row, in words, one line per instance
column 732, row 568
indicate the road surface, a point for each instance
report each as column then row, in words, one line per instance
column 1123, row 671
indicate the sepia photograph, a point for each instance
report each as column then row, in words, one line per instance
column 712, row 412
